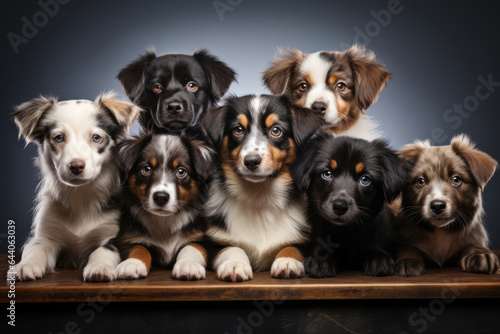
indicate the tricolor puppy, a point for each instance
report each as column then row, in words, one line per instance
column 175, row 89
column 255, row 213
column 164, row 176
column 441, row 222
column 348, row 182
column 75, row 215
column 338, row 85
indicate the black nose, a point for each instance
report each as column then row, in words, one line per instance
column 161, row 198
column 319, row 106
column 76, row 166
column 340, row 207
column 438, row 207
column 252, row 161
column 174, row 108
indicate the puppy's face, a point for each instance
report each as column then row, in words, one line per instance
column 445, row 185
column 164, row 172
column 347, row 179
column 337, row 85
column 175, row 89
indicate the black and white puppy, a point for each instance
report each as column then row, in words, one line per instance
column 347, row 182
column 175, row 89
column 76, row 214
column 161, row 196
column 255, row 212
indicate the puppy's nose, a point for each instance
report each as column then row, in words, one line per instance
column 340, row 207
column 319, row 107
column 252, row 161
column 175, row 108
column 161, row 198
column 438, row 207
column 76, row 166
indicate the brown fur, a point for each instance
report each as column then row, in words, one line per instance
column 141, row 253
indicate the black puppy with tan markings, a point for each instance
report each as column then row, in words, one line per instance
column 441, row 221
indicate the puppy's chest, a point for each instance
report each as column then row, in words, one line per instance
column 441, row 245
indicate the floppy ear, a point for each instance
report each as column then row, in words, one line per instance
column 302, row 168
column 395, row 170
column 203, row 156
column 277, row 77
column 127, row 152
column 213, row 123
column 305, row 123
column 370, row 75
column 411, row 152
column 218, row 73
column 124, row 113
column 28, row 115
column 481, row 165
column 132, row 76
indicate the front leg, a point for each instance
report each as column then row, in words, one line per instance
column 137, row 264
column 378, row 263
column 191, row 262
column 321, row 267
column 39, row 257
column 479, row 260
column 288, row 263
column 232, row 265
column 409, row 262
column 101, row 265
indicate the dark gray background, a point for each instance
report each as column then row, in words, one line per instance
column 435, row 51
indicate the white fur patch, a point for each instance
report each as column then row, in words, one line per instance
column 131, row 269
column 232, row 264
column 287, row 267
column 101, row 265
column 190, row 265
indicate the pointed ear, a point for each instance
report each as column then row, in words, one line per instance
column 302, row 168
column 277, row 77
column 213, row 123
column 411, row 152
column 220, row 76
column 203, row 156
column 132, row 76
column 305, row 123
column 27, row 116
column 481, row 165
column 127, row 152
column 395, row 170
column 370, row 75
column 124, row 113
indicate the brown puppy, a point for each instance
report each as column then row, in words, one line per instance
column 441, row 218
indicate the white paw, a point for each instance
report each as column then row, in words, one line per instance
column 287, row 267
column 188, row 271
column 132, row 269
column 27, row 271
column 98, row 272
column 232, row 271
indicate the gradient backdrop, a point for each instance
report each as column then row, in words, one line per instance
column 438, row 53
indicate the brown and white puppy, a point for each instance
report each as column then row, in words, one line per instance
column 338, row 85
column 76, row 214
column 441, row 220
column 161, row 197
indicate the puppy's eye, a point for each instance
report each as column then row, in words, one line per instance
column 341, row 86
column 276, row 132
column 181, row 173
column 97, row 139
column 456, row 180
column 59, row 138
column 146, row 170
column 157, row 88
column 192, row 86
column 326, row 175
column 420, row 182
column 303, row 86
column 365, row 180
column 238, row 131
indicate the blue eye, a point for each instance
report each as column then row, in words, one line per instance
column 365, row 180
column 327, row 175
column 96, row 138
column 59, row 138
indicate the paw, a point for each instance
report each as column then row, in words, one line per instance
column 131, row 269
column 287, row 267
column 485, row 263
column 379, row 265
column 27, row 271
column 99, row 272
column 319, row 269
column 188, row 271
column 409, row 267
column 231, row 271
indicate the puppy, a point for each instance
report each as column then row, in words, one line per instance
column 441, row 221
column 347, row 182
column 164, row 176
column 76, row 214
column 338, row 85
column 256, row 216
column 175, row 89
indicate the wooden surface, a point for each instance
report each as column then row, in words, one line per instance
column 67, row 286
